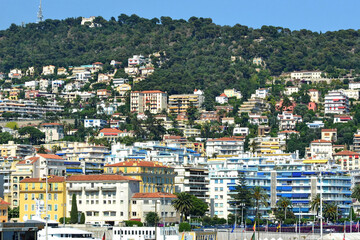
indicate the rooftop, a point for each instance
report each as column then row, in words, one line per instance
column 102, row 177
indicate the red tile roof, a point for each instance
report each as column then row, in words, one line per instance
column 223, row 95
column 42, row 180
column 320, row 141
column 32, row 160
column 110, row 130
column 102, row 177
column 346, row 153
column 225, row 139
column 137, row 164
column 152, row 91
column 328, row 130
column 2, row 202
column 154, row 195
column 50, row 156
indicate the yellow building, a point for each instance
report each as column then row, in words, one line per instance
column 154, row 176
column 4, row 210
column 181, row 102
column 34, row 189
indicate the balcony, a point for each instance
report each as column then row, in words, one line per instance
column 108, row 188
column 94, row 189
column 74, row 189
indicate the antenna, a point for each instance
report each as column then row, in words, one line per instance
column 39, row 14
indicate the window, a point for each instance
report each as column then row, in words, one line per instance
column 49, row 196
column 55, row 196
column 92, row 185
column 121, row 214
column 26, row 186
column 134, row 214
column 41, row 196
column 113, row 214
column 55, row 217
column 106, row 214
column 33, row 186
column 32, row 207
column 221, row 181
column 55, row 207
column 26, row 196
column 56, row 186
column 134, row 202
column 89, row 214
column 41, row 185
column 49, row 207
column 25, row 207
column 32, row 196
column 216, row 181
column 96, row 214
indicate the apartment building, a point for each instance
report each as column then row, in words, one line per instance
column 320, row 149
column 356, row 142
column 336, row 102
column 181, row 102
column 290, row 90
column 48, row 70
column 154, row 101
column 53, row 131
column 33, row 197
column 102, row 198
column 314, row 95
column 225, row 146
column 310, row 75
column 154, row 176
column 136, row 60
column 94, row 123
column 348, row 160
column 233, row 93
column 329, row 134
column 267, row 145
column 11, row 149
column 288, row 121
column 113, row 134
column 28, row 107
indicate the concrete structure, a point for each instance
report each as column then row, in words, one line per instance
column 48, row 70
column 181, row 102
column 233, row 93
column 290, row 90
column 225, row 146
column 243, row 131
column 348, row 160
column 222, row 99
column 336, row 102
column 288, row 120
column 314, row 95
column 102, row 198
column 309, row 75
column 94, row 123
column 329, row 135
column 136, row 60
column 26, row 108
column 342, row 118
column 320, row 149
column 154, row 101
column 11, row 149
column 351, row 93
column 53, row 131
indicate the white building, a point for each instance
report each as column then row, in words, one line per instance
column 351, row 93
column 224, row 146
column 43, row 84
column 222, row 99
column 257, row 119
column 342, row 118
column 288, row 121
column 136, row 60
column 155, row 101
column 314, row 95
column 120, row 81
column 244, row 131
column 336, row 102
column 48, row 70
column 290, row 90
column 54, row 164
column 233, row 93
column 15, row 73
column 354, row 85
column 141, row 233
column 83, row 76
column 32, row 84
column 306, row 75
column 262, row 93
column 53, row 131
column 102, row 198
column 94, row 123
column 320, row 149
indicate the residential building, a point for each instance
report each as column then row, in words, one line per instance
column 48, row 164
column 329, row 135
column 320, row 149
column 356, row 142
column 32, row 84
column 224, row 146
column 336, row 102
column 316, row 124
column 312, row 106
column 30, row 71
column 290, row 90
column 233, row 93
column 83, row 76
column 15, row 73
column 354, row 85
column 243, row 131
column 33, row 196
column 222, row 99
column 262, row 93
column 122, row 89
column 11, row 149
column 28, row 107
column 62, row 71
column 348, row 160
column 4, row 206
column 53, row 131
column 314, row 95
column 113, row 134
column 193, row 180
column 159, row 202
column 48, row 70
column 294, row 179
column 288, row 121
column 208, row 116
column 102, row 198
column 181, row 102
column 155, row 101
column 103, row 93
column 310, row 75
column 154, row 176
column 136, row 60
column 265, row 145
column 254, row 105
column 342, row 118
column 263, row 130
column 280, row 106
column 258, row 61
column 351, row 93
column 94, row 123
column 256, row 119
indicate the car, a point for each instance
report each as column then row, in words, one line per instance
column 96, row 225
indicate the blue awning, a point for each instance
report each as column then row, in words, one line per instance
column 309, row 173
column 260, row 174
column 296, row 174
column 232, row 188
column 287, row 188
column 286, row 174
column 287, row 195
column 300, row 195
column 73, row 170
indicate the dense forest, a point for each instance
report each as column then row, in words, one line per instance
column 198, row 51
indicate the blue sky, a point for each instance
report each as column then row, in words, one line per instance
column 316, row 15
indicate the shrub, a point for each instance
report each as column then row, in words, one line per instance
column 184, row 227
column 132, row 223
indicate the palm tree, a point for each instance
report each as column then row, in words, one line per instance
column 284, row 203
column 356, row 192
column 183, row 204
column 330, row 211
column 315, row 204
column 260, row 198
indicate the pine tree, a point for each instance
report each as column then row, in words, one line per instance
column 74, row 210
column 82, row 218
column 243, row 194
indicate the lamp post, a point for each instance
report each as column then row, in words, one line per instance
column 321, row 205
column 242, row 205
column 156, row 220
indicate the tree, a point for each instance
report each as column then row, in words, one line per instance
column 82, row 218
column 34, row 134
column 13, row 213
column 199, row 207
column 74, row 210
column 283, row 203
column 356, row 192
column 260, row 199
column 243, row 194
column 152, row 218
column 183, row 204
column 315, row 204
column 42, row 149
column 330, row 211
column 192, row 113
column 5, row 137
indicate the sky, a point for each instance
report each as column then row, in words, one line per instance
column 315, row 15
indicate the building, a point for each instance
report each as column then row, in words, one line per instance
column 351, row 93
column 348, row 160
column 159, row 202
column 296, row 180
column 181, row 102
column 309, row 75
column 33, row 196
column 320, row 149
column 11, row 149
column 27, row 108
column 113, row 134
column 48, row 164
column 336, row 102
column 290, row 90
column 242, row 131
column 154, row 176
column 193, row 180
column 15, row 73
column 329, row 135
column 53, row 131
column 103, row 93
column 151, row 233
column 314, row 95
column 256, row 119
column 48, row 70
column 265, row 145
column 356, row 142
column 222, row 99
column 136, row 60
column 4, row 206
column 94, row 123
column 316, row 124
column 155, row 101
column 354, row 85
column 233, row 93
column 225, row 146
column 262, row 93
column 288, row 121
column 62, row 71
column 342, row 118
column 102, row 198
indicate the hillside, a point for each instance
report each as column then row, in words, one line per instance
column 198, row 50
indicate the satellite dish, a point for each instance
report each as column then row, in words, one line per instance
column 25, row 218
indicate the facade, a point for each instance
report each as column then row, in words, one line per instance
column 94, row 123
column 102, row 198
column 4, row 210
column 113, row 134
column 225, row 146
column 329, row 135
column 262, row 93
column 140, row 233
column 288, row 121
column 53, row 131
column 320, row 149
column 33, row 196
column 136, row 60
column 314, row 95
column 154, row 176
column 351, row 93
column 310, row 75
column 144, row 203
column 243, row 131
column 348, row 160
column 29, row 107
column 48, row 70
column 154, row 101
column 11, row 149
column 233, row 93
column 342, row 118
column 290, row 90
column 294, row 179
column 222, row 99
column 356, row 142
column 336, row 102
column 181, row 102
column 257, row 119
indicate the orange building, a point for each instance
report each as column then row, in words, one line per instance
column 4, row 210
